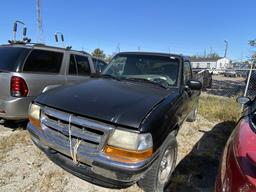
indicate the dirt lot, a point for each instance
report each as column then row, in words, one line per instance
column 25, row 168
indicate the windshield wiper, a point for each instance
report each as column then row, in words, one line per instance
column 146, row 81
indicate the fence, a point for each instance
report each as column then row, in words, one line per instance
column 228, row 83
column 250, row 88
column 218, row 98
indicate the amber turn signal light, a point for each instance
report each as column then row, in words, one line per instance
column 34, row 115
column 35, row 122
column 127, row 156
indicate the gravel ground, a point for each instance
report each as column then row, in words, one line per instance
column 25, row 168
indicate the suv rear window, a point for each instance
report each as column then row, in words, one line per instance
column 79, row 65
column 9, row 57
column 41, row 61
column 83, row 66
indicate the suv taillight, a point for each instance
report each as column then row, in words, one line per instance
column 19, row 87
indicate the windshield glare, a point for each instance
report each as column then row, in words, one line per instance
column 159, row 69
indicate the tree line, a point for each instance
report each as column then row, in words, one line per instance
column 99, row 53
column 253, row 57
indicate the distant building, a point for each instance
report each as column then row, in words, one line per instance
column 211, row 63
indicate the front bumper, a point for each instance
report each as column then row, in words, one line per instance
column 14, row 108
column 94, row 168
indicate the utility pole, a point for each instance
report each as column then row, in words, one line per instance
column 39, row 22
column 226, row 48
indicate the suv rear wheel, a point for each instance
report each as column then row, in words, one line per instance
column 158, row 177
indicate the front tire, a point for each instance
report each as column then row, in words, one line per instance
column 158, row 177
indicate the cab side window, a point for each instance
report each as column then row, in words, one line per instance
column 187, row 72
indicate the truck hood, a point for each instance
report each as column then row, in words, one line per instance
column 119, row 102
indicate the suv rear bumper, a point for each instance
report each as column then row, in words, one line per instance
column 14, row 108
column 98, row 169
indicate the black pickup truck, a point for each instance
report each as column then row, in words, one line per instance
column 120, row 127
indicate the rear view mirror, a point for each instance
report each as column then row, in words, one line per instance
column 194, row 85
column 243, row 100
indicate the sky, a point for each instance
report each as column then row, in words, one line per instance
column 188, row 27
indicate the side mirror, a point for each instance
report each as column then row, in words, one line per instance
column 194, row 85
column 243, row 100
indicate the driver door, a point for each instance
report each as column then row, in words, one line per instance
column 190, row 94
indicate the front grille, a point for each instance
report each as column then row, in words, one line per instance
column 93, row 134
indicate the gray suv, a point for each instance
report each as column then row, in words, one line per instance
column 26, row 71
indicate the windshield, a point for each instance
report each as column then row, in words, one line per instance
column 9, row 57
column 163, row 70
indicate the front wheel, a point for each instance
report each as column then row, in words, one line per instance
column 158, row 177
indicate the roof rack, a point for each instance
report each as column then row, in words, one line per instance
column 62, row 39
column 25, row 39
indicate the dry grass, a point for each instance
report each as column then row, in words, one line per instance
column 20, row 137
column 16, row 139
column 219, row 108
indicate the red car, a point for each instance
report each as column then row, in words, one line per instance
column 237, row 171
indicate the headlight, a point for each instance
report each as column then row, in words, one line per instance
column 130, row 141
column 129, row 147
column 34, row 115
